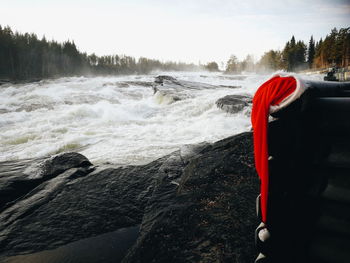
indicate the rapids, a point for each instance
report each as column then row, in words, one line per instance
column 121, row 120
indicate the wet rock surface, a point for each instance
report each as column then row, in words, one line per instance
column 172, row 82
column 126, row 84
column 161, row 78
column 208, row 214
column 233, row 103
column 194, row 205
column 168, row 89
column 19, row 178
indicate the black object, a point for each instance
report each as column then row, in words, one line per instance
column 308, row 216
column 330, row 75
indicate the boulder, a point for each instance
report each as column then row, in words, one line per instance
column 62, row 162
column 20, row 177
column 160, row 79
column 233, row 103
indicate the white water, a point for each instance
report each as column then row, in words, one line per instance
column 109, row 121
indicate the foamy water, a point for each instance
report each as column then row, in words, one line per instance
column 116, row 119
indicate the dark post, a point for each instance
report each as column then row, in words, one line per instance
column 308, row 217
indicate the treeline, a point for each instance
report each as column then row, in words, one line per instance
column 26, row 57
column 292, row 58
column 121, row 64
column 333, row 51
column 233, row 65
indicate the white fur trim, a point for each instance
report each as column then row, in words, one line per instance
column 301, row 87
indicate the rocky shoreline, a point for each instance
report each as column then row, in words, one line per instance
column 194, row 205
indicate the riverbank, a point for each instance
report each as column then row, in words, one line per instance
column 195, row 204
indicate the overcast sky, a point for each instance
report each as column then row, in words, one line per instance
column 178, row 30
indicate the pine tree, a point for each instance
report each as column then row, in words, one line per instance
column 232, row 65
column 311, row 52
column 299, row 54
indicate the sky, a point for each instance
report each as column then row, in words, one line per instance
column 178, row 30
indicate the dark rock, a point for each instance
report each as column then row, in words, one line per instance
column 140, row 83
column 168, row 89
column 194, row 205
column 4, row 81
column 160, row 79
column 70, row 207
column 204, row 212
column 126, row 84
column 168, row 82
column 230, row 86
column 62, row 162
column 19, row 81
column 233, row 103
column 17, row 179
column 117, row 84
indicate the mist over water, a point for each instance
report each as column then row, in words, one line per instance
column 121, row 120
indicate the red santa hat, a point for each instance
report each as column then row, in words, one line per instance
column 273, row 95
